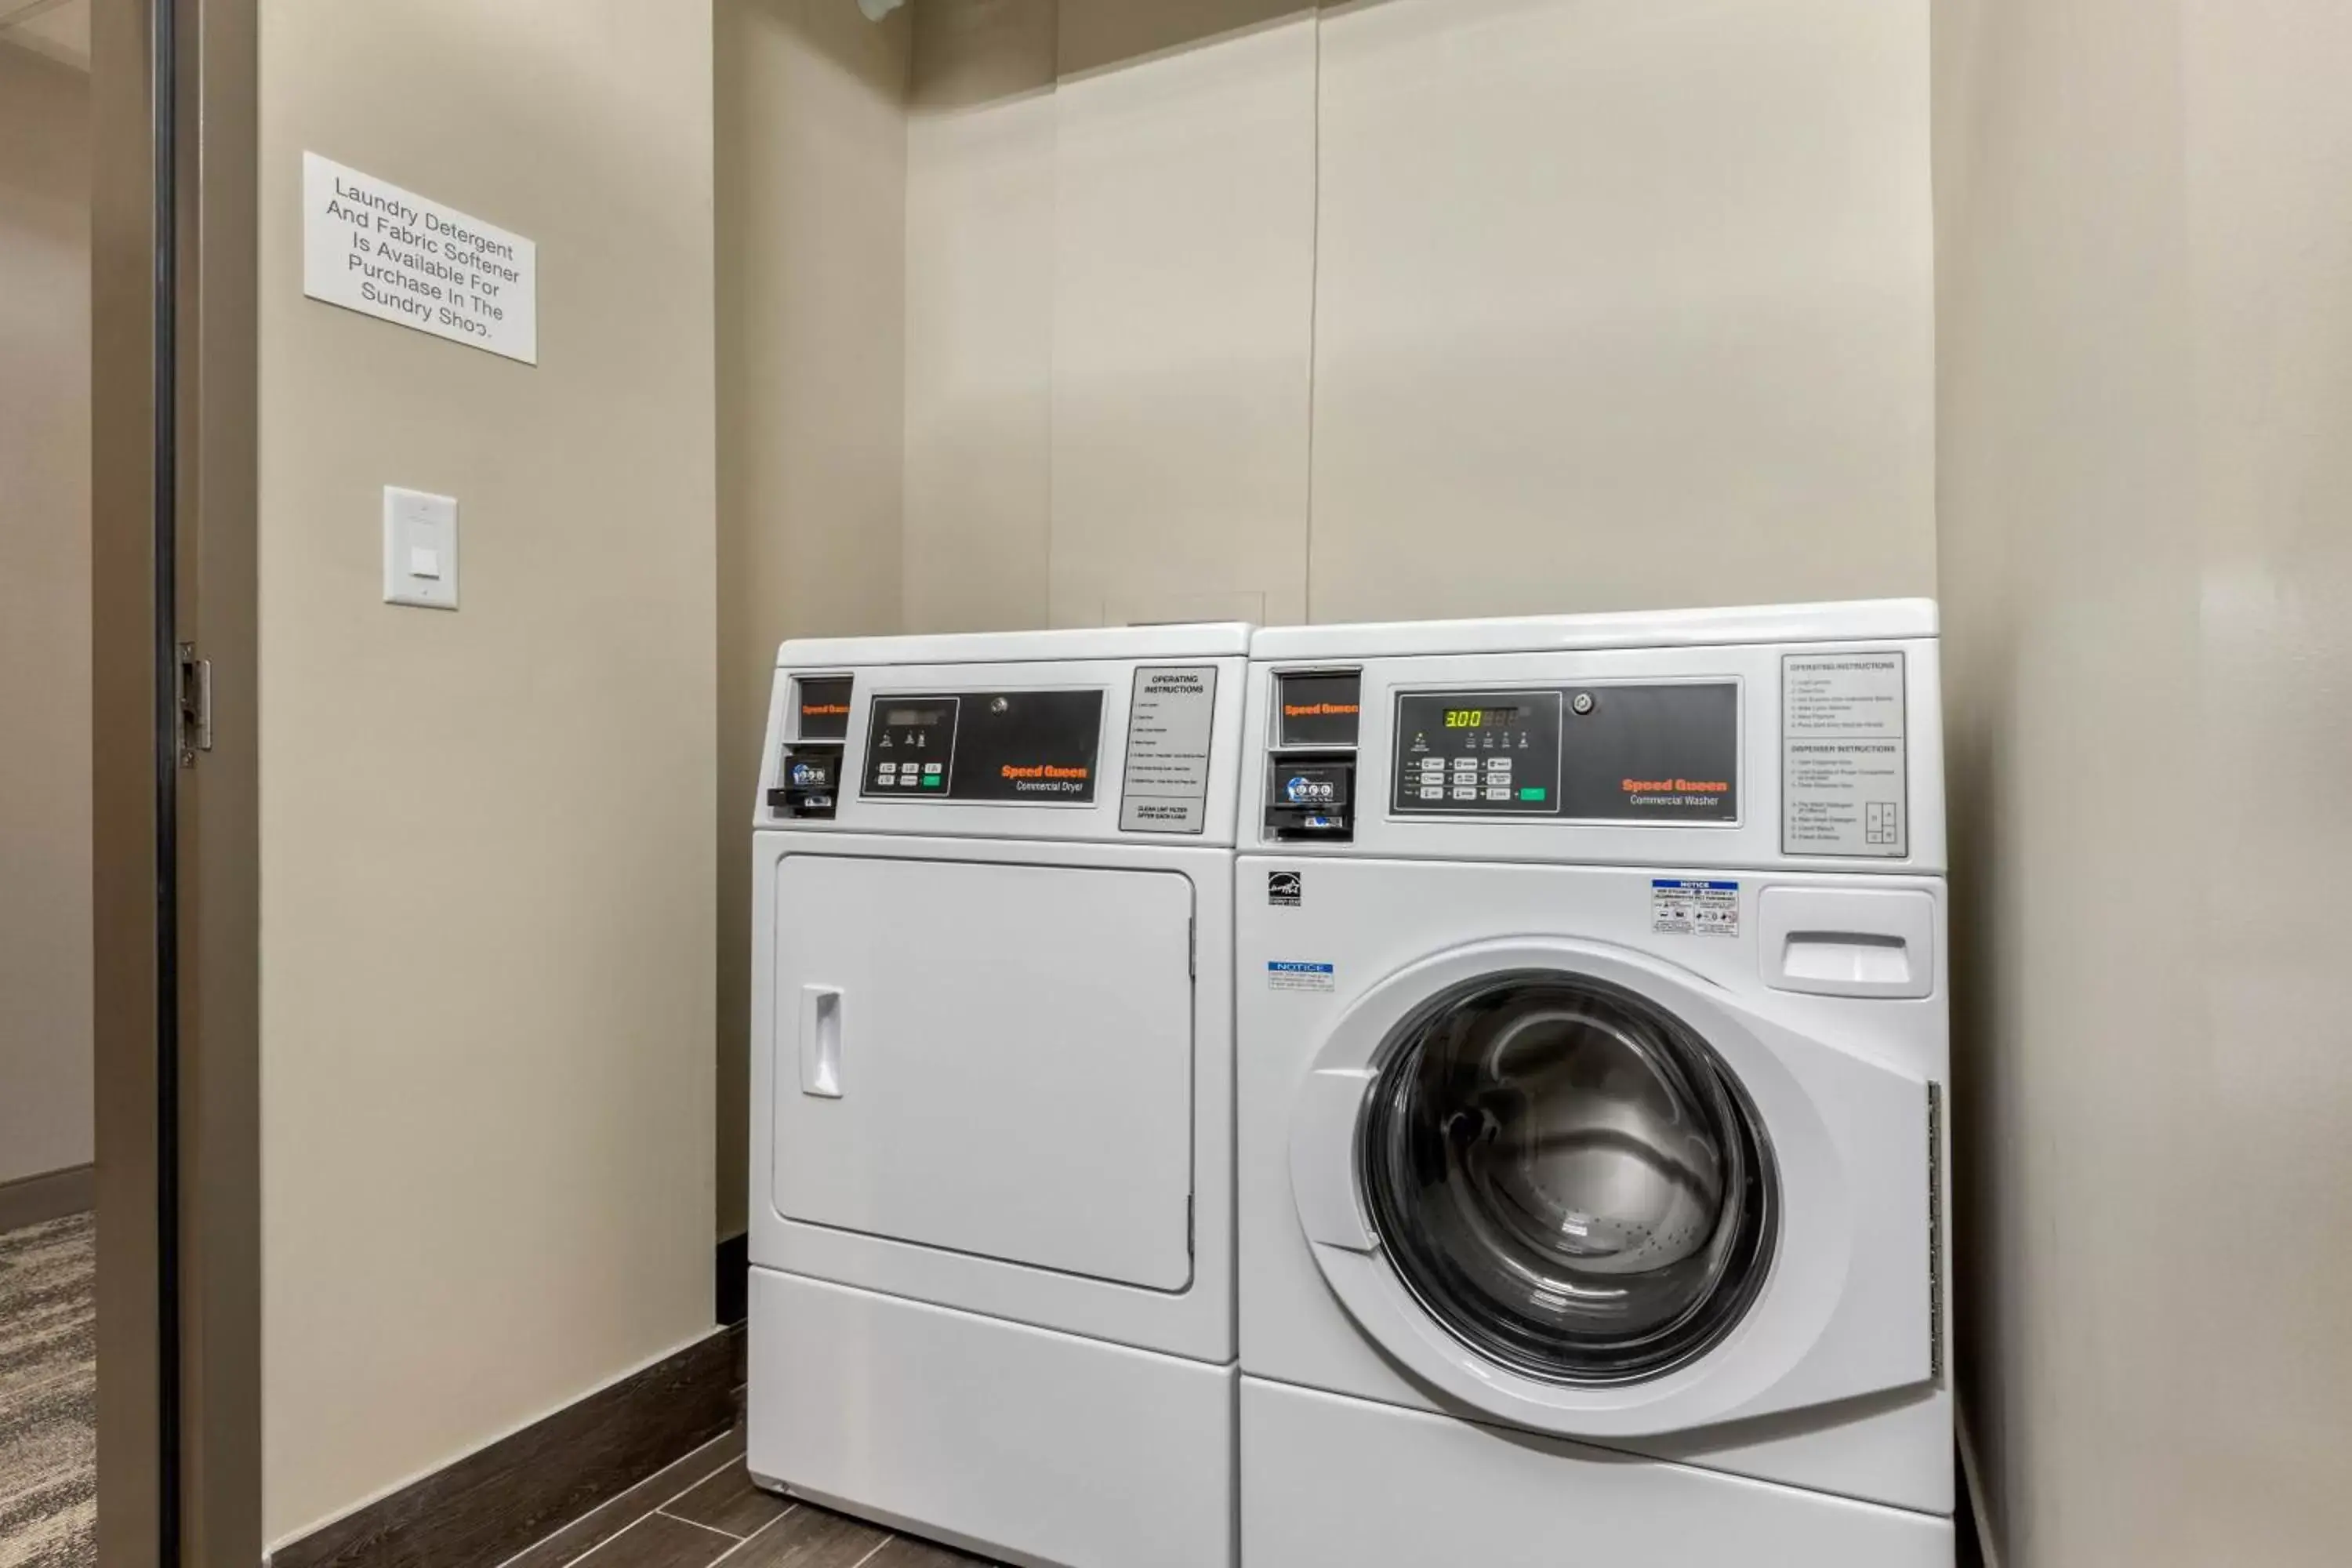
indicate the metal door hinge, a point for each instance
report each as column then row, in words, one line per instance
column 195, row 705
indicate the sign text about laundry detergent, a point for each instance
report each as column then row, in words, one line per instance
column 385, row 252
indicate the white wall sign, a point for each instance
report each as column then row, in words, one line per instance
column 380, row 250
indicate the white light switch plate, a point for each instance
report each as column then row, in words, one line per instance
column 420, row 549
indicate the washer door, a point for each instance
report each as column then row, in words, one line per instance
column 1567, row 1177
column 1579, row 1190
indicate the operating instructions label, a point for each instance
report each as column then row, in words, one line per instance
column 375, row 248
column 1844, row 766
column 1166, row 785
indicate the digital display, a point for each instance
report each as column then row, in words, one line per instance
column 1483, row 718
column 899, row 718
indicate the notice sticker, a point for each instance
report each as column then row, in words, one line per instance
column 1166, row 788
column 375, row 248
column 1285, row 974
column 1844, row 766
column 1694, row 907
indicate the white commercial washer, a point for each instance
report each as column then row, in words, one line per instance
column 992, row 1294
column 1591, row 1038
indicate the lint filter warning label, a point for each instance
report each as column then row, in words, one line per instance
column 1842, row 762
column 1288, row 974
column 1694, row 907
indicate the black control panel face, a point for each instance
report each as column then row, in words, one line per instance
column 823, row 706
column 1667, row 753
column 1318, row 708
column 1491, row 753
column 996, row 746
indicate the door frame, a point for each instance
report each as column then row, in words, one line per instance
column 176, row 834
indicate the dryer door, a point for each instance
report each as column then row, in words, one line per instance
column 992, row 1060
column 1582, row 1192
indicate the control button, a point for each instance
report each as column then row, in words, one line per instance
column 1499, row 792
column 889, row 769
column 1433, row 764
column 930, row 767
column 932, row 781
column 1465, row 764
column 908, row 779
column 1432, row 791
column 1498, row 764
column 1468, row 792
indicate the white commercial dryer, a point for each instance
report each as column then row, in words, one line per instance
column 1591, row 1042
column 991, row 1295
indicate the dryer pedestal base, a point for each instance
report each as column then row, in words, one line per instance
column 1328, row 1479
column 1042, row 1448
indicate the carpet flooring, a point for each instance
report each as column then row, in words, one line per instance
column 49, row 1395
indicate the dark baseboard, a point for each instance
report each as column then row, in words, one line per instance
column 53, row 1194
column 489, row 1505
column 733, row 1293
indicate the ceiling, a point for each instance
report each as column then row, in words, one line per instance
column 58, row 28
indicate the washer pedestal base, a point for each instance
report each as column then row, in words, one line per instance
column 1329, row 1480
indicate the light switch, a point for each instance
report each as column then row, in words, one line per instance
column 420, row 549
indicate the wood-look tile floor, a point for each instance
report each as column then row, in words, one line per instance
column 704, row 1510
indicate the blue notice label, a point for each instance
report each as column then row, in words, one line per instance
column 1289, row 974
column 1694, row 906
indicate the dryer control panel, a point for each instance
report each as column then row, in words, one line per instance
column 984, row 745
column 1088, row 734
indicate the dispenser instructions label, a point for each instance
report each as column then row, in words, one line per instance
column 375, row 248
column 1843, row 769
column 1166, row 789
column 1694, row 907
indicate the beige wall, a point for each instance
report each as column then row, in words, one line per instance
column 979, row 324
column 487, row 893
column 1622, row 305
column 812, row 263
column 2146, row 517
column 45, row 823
column 1245, row 306
column 1183, row 304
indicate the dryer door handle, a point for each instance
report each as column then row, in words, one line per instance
column 821, row 1041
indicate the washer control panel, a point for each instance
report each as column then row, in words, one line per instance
column 1664, row 751
column 1485, row 752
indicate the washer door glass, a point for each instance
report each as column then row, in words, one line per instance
column 1568, row 1177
